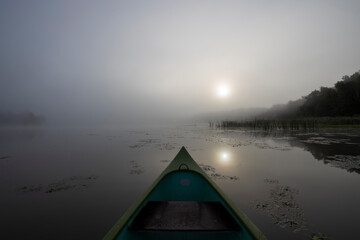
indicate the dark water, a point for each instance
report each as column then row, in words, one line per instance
column 75, row 183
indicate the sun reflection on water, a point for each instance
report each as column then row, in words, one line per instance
column 224, row 156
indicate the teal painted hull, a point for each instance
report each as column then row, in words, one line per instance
column 189, row 183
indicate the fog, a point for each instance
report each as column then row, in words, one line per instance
column 113, row 62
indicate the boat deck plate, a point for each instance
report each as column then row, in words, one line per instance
column 184, row 216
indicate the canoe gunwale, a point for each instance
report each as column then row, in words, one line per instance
column 181, row 159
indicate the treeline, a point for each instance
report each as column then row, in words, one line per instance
column 26, row 118
column 341, row 100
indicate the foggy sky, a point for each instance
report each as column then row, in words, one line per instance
column 122, row 60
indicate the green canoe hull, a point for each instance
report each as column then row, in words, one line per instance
column 170, row 186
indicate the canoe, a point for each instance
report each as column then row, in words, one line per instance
column 184, row 203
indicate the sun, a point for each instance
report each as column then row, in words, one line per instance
column 223, row 90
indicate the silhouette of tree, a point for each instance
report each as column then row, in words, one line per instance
column 341, row 100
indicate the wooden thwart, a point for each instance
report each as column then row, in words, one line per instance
column 184, row 216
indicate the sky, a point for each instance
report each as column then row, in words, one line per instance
column 121, row 61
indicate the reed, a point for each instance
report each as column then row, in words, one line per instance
column 308, row 124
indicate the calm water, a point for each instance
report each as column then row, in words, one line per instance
column 76, row 183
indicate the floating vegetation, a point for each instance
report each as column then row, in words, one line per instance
column 325, row 141
column 4, row 157
column 59, row 186
column 144, row 142
column 230, row 141
column 65, row 184
column 266, row 145
column 165, row 161
column 207, row 168
column 337, row 148
column 174, row 135
column 136, row 169
column 155, row 143
column 216, row 176
column 283, row 208
column 211, row 172
column 271, row 181
column 165, row 146
column 350, row 163
column 235, row 141
column 31, row 188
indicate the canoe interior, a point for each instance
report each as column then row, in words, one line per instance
column 191, row 187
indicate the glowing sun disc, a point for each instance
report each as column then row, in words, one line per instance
column 223, row 91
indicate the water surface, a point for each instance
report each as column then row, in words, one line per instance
column 75, row 183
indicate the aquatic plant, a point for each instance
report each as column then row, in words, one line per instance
column 308, row 124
